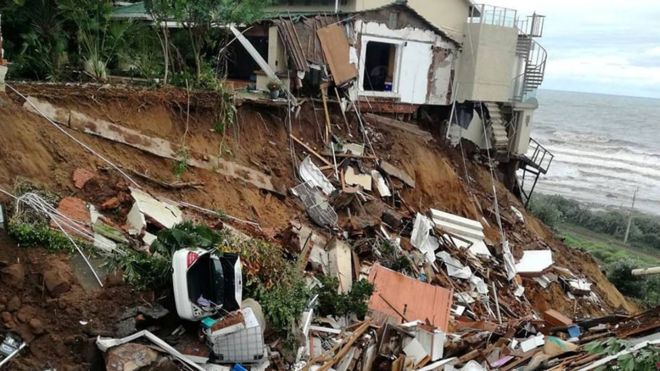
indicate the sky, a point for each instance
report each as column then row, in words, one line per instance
column 599, row 46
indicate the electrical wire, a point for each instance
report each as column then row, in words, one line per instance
column 40, row 205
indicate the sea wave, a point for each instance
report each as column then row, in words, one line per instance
column 619, row 156
column 607, row 147
column 607, row 165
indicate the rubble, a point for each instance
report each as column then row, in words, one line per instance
column 392, row 170
column 444, row 294
column 534, row 262
column 405, row 299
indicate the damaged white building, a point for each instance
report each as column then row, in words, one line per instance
column 474, row 68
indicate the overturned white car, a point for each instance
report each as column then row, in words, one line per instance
column 205, row 282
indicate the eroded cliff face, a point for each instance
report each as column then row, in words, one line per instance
column 31, row 148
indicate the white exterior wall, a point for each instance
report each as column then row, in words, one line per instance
column 413, row 74
column 524, row 122
column 441, row 80
column 447, row 15
column 474, row 133
column 485, row 70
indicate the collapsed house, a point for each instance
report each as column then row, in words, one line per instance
column 458, row 299
column 473, row 69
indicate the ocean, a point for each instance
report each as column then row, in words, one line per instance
column 605, row 146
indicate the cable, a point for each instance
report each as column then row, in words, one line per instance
column 88, row 148
column 492, row 175
column 39, row 204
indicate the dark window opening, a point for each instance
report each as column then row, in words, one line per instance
column 241, row 65
column 379, row 66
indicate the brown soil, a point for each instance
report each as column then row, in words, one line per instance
column 34, row 149
column 31, row 148
column 51, row 325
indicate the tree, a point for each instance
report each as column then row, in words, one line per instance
column 198, row 17
column 97, row 36
column 34, row 38
column 161, row 11
column 620, row 274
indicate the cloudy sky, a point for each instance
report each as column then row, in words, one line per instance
column 610, row 47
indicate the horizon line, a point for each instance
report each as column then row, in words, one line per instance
column 599, row 93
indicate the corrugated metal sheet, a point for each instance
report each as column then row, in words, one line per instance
column 416, row 300
column 289, row 36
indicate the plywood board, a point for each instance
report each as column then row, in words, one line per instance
column 396, row 294
column 336, row 50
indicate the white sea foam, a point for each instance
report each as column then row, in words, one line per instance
column 604, row 147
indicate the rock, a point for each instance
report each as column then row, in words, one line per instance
column 111, row 203
column 37, row 326
column 14, row 303
column 115, row 278
column 164, row 364
column 13, row 275
column 3, row 299
column 81, row 176
column 24, row 332
column 6, row 318
column 128, row 357
column 55, row 282
column 26, row 313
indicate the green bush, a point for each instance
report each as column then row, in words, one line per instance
column 333, row 303
column 284, row 302
column 39, row 234
column 555, row 209
column 619, row 273
column 644, row 288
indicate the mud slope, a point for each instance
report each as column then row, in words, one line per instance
column 30, row 147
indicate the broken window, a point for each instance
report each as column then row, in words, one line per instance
column 240, row 65
column 379, row 66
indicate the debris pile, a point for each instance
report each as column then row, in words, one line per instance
column 388, row 284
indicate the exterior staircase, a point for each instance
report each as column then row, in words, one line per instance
column 535, row 58
column 536, row 162
column 496, row 129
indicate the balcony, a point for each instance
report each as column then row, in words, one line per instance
column 493, row 15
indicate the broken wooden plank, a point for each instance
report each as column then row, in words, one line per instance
column 155, row 146
column 394, row 171
column 400, row 125
column 310, row 150
column 354, row 337
column 336, row 50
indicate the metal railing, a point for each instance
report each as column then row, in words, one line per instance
column 493, row 15
column 532, row 25
column 540, row 156
column 532, row 76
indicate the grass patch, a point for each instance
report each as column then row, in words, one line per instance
column 606, row 249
